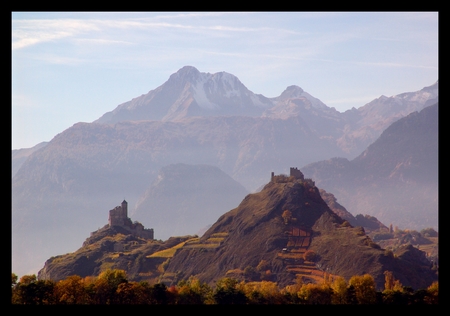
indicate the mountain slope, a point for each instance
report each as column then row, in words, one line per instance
column 365, row 124
column 185, row 198
column 18, row 156
column 395, row 179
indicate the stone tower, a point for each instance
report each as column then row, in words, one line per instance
column 124, row 208
column 119, row 215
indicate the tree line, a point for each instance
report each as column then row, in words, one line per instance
column 113, row 287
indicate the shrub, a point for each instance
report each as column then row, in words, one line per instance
column 309, row 255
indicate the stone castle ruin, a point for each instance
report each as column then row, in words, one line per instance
column 294, row 174
column 118, row 216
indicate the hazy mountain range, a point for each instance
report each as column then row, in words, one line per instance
column 395, row 179
column 64, row 190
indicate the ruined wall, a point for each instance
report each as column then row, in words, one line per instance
column 294, row 172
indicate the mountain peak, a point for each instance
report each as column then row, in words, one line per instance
column 186, row 72
column 291, row 92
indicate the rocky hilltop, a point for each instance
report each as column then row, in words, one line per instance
column 286, row 231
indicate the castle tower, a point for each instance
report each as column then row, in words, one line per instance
column 124, row 209
column 294, row 172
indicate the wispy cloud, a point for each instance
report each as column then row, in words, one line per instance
column 31, row 32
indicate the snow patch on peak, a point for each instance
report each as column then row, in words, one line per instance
column 198, row 91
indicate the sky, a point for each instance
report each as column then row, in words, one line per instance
column 70, row 67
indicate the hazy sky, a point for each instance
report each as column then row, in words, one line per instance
column 70, row 67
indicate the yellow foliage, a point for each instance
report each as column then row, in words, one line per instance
column 365, row 288
column 168, row 253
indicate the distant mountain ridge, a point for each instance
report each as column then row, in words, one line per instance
column 62, row 189
column 18, row 156
column 395, row 178
column 191, row 93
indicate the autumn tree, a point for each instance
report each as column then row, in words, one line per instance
column 264, row 292
column 226, row 292
column 287, row 216
column 106, row 285
column 364, row 287
column 160, row 295
column 339, row 287
column 193, row 291
column 132, row 293
column 71, row 291
column 432, row 296
column 316, row 294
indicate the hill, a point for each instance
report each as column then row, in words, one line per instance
column 259, row 240
column 111, row 248
column 282, row 233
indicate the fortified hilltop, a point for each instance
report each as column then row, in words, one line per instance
column 118, row 216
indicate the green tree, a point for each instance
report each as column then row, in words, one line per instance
column 30, row 291
column 13, row 279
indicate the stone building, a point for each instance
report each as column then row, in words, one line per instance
column 118, row 216
column 294, row 174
